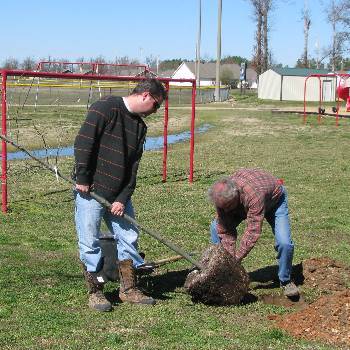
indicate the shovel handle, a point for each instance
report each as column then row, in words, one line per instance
column 106, row 203
column 161, row 239
column 164, row 261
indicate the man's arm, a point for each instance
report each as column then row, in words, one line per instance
column 255, row 217
column 226, row 228
column 85, row 142
column 129, row 188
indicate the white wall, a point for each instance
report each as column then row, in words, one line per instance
column 183, row 72
column 293, row 88
column 269, row 85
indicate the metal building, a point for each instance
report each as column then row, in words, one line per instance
column 287, row 84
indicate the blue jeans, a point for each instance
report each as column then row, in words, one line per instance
column 278, row 218
column 88, row 216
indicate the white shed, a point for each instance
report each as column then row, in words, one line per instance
column 207, row 72
column 287, row 84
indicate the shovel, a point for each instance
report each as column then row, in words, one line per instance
column 108, row 205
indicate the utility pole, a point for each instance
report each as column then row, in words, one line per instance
column 218, row 58
column 317, row 49
column 198, row 50
column 141, row 55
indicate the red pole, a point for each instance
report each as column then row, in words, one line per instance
column 320, row 104
column 337, row 99
column 165, row 133
column 305, row 99
column 3, row 144
column 193, row 116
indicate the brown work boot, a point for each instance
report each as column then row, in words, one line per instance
column 97, row 300
column 128, row 290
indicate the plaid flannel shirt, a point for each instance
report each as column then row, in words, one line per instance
column 259, row 192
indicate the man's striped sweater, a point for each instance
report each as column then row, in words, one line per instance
column 108, row 149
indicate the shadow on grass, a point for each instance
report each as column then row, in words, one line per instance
column 267, row 277
column 160, row 285
column 156, row 286
column 172, row 280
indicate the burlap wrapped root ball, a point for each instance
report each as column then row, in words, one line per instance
column 222, row 280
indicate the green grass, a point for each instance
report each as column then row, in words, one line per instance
column 43, row 301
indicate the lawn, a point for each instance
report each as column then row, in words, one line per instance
column 43, row 299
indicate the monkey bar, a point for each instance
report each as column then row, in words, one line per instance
column 38, row 74
column 338, row 93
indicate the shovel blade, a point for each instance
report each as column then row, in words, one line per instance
column 109, row 253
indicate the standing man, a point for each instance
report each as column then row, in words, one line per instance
column 107, row 152
column 252, row 195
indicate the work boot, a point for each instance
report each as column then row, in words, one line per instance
column 128, row 289
column 97, row 300
column 290, row 289
column 145, row 269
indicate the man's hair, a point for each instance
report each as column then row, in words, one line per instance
column 223, row 191
column 154, row 86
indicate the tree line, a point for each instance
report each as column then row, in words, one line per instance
column 337, row 14
column 334, row 56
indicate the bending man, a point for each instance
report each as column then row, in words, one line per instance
column 252, row 195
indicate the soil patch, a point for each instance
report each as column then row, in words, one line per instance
column 281, row 300
column 328, row 318
column 325, row 274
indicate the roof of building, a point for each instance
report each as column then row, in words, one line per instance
column 300, row 72
column 166, row 73
column 208, row 70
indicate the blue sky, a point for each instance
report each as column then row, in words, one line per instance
column 138, row 28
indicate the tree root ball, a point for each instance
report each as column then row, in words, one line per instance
column 222, row 280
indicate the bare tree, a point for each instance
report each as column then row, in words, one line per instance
column 28, row 64
column 267, row 7
column 126, row 60
column 257, row 17
column 307, row 23
column 345, row 22
column 151, row 61
column 100, row 64
column 338, row 15
column 261, row 13
column 11, row 63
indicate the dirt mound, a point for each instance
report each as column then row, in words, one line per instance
column 222, row 281
column 325, row 274
column 327, row 319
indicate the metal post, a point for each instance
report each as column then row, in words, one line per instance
column 320, row 101
column 165, row 133
column 305, row 99
column 3, row 144
column 193, row 116
column 198, row 58
column 218, row 58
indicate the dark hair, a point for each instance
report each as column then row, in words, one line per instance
column 154, row 86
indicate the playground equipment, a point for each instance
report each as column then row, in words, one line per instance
column 58, row 90
column 341, row 92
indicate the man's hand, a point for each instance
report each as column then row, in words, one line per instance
column 82, row 188
column 118, row 209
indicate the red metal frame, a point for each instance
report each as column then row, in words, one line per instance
column 165, row 134
column 3, row 143
column 321, row 94
column 94, row 65
column 22, row 73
